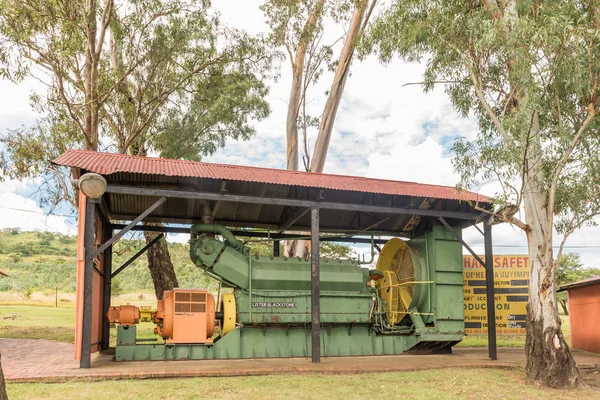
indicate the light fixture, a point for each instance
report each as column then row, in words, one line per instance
column 92, row 185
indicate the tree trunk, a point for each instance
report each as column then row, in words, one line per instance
column 549, row 361
column 563, row 304
column 291, row 125
column 337, row 88
column 298, row 248
column 3, row 395
column 160, row 265
column 90, row 119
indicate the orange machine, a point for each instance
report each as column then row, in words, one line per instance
column 124, row 315
column 182, row 316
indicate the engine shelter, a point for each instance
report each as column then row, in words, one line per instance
column 258, row 203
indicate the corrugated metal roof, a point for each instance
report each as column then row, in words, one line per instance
column 110, row 163
column 590, row 281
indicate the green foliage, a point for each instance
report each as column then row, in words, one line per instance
column 530, row 75
column 570, row 269
column 28, row 292
column 167, row 77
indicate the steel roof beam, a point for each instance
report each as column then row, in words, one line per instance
column 254, row 234
column 182, row 194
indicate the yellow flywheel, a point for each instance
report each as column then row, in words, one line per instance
column 229, row 313
column 397, row 287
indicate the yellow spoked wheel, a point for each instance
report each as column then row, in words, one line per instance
column 397, row 287
column 229, row 313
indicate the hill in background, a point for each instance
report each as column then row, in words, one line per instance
column 40, row 261
column 46, row 261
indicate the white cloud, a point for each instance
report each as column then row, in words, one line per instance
column 182, row 238
column 384, row 129
column 20, row 212
column 423, row 162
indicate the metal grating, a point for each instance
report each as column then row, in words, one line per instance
column 198, row 307
column 182, row 296
column 182, row 307
column 199, row 297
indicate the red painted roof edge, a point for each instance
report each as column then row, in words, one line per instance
column 584, row 282
column 61, row 161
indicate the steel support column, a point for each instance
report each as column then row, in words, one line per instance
column 275, row 248
column 315, row 285
column 89, row 240
column 489, row 290
column 107, row 282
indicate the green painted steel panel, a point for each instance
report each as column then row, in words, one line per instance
column 335, row 307
column 275, row 273
column 279, row 273
column 280, row 342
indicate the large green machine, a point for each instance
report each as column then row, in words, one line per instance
column 412, row 301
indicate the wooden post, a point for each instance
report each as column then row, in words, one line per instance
column 315, row 286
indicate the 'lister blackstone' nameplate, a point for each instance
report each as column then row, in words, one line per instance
column 273, row 304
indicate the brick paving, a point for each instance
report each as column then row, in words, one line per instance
column 25, row 360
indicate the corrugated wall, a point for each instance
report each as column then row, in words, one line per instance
column 584, row 314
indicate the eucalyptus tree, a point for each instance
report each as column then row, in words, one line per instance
column 529, row 72
column 137, row 77
column 299, row 26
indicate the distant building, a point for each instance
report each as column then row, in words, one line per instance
column 584, row 313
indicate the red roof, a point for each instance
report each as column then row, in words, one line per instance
column 585, row 282
column 110, row 163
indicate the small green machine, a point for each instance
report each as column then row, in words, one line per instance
column 411, row 302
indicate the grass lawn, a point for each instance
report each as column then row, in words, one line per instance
column 37, row 323
column 510, row 340
column 434, row 384
column 34, row 322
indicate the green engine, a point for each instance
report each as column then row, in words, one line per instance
column 411, row 302
column 414, row 296
column 276, row 290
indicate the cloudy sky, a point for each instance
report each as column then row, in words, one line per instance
column 383, row 130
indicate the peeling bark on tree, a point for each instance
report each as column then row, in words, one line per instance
column 549, row 361
column 160, row 265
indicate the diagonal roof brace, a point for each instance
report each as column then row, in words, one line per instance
column 123, row 231
column 457, row 237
